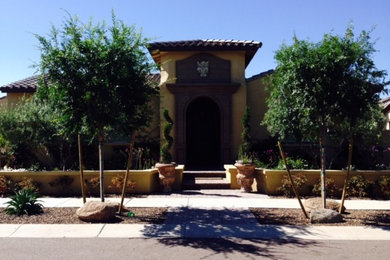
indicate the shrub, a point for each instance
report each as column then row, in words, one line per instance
column 31, row 133
column 62, row 182
column 117, row 183
column 286, row 189
column 383, row 184
column 245, row 149
column 358, row 186
column 7, row 185
column 24, row 202
column 331, row 189
column 6, row 152
column 28, row 184
column 293, row 163
column 165, row 153
column 93, row 186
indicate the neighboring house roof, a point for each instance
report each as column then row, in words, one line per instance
column 260, row 75
column 30, row 85
column 250, row 47
column 385, row 103
column 25, row 85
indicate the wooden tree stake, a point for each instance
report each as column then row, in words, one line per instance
column 81, row 170
column 129, row 161
column 346, row 177
column 291, row 179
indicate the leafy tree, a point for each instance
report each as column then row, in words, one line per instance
column 98, row 76
column 325, row 89
column 33, row 135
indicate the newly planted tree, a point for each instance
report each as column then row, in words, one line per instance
column 318, row 88
column 98, row 77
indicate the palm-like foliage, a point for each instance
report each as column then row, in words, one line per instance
column 24, row 202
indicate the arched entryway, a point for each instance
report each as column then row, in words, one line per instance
column 203, row 135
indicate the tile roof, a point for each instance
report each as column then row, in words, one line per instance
column 205, row 44
column 250, row 47
column 30, row 84
column 385, row 103
column 260, row 75
column 25, row 85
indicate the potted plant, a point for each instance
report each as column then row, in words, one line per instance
column 166, row 167
column 244, row 164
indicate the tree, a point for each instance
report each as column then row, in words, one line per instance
column 325, row 89
column 98, row 76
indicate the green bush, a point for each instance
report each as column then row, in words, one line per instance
column 165, row 153
column 63, row 183
column 331, row 189
column 293, row 163
column 28, row 184
column 383, row 184
column 6, row 185
column 24, row 202
column 6, row 152
column 286, row 189
column 358, row 186
column 31, row 135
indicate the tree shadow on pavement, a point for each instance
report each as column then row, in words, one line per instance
column 223, row 230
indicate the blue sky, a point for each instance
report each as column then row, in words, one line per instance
column 269, row 21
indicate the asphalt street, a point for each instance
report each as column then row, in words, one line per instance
column 180, row 248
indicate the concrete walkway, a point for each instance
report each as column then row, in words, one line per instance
column 202, row 214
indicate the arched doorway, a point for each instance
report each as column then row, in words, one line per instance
column 203, row 135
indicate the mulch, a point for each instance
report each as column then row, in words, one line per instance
column 267, row 216
column 68, row 216
column 296, row 217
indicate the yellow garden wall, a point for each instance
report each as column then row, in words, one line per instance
column 147, row 181
column 272, row 178
column 268, row 181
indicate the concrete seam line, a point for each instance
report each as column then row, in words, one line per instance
column 16, row 230
column 98, row 235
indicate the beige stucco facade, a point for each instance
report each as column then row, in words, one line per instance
column 239, row 98
column 13, row 99
column 224, row 87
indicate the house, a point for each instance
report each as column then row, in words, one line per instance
column 203, row 85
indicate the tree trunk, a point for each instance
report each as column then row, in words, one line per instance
column 323, row 170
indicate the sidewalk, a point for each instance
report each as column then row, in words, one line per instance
column 202, row 213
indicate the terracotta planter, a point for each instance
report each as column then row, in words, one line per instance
column 245, row 175
column 167, row 175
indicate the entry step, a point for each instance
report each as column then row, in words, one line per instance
column 190, row 182
column 204, row 174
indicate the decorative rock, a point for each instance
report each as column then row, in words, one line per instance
column 96, row 211
column 316, row 203
column 325, row 216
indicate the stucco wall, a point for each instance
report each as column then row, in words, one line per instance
column 14, row 98
column 3, row 101
column 256, row 97
column 168, row 76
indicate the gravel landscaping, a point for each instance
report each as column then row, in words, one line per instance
column 158, row 216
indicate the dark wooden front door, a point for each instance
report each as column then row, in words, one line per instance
column 203, row 135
